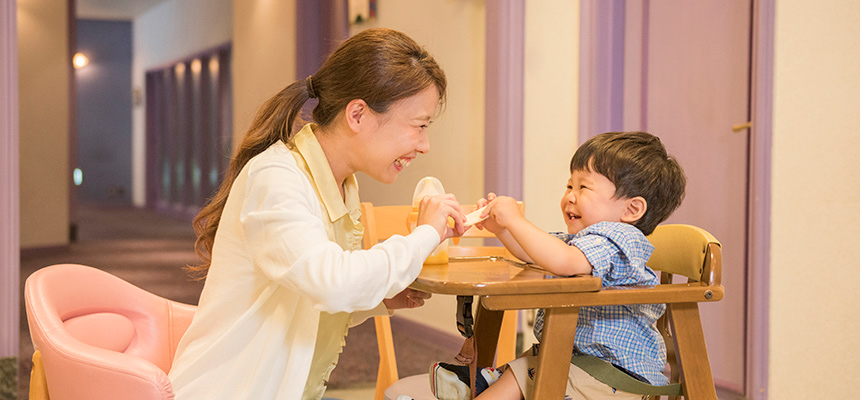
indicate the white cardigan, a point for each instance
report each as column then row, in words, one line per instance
column 274, row 270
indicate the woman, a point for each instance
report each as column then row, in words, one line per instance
column 285, row 276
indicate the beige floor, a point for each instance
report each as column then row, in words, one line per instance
column 367, row 394
column 352, row 394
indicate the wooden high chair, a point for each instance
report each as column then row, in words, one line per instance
column 380, row 223
column 683, row 250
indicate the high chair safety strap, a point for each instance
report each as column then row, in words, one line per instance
column 618, row 379
column 464, row 315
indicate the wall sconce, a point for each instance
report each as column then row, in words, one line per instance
column 196, row 66
column 213, row 66
column 80, row 60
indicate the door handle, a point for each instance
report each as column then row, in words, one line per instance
column 740, row 127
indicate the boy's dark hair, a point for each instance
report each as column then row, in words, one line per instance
column 638, row 165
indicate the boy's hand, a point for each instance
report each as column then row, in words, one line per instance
column 486, row 223
column 503, row 210
column 408, row 298
column 484, row 202
column 493, row 224
column 435, row 211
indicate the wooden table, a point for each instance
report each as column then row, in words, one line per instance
column 503, row 283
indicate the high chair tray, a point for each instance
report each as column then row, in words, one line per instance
column 493, row 271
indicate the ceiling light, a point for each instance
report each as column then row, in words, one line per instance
column 80, row 60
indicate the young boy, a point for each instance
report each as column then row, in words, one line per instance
column 622, row 184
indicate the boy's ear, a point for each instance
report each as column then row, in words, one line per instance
column 356, row 114
column 635, row 209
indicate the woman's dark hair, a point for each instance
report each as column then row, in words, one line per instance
column 638, row 165
column 379, row 66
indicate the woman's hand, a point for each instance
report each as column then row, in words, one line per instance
column 435, row 210
column 408, row 298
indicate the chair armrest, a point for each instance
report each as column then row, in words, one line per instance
column 78, row 370
column 180, row 316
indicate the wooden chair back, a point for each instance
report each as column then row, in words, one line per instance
column 380, row 223
column 685, row 250
column 694, row 253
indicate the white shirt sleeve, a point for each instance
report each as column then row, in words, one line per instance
column 287, row 240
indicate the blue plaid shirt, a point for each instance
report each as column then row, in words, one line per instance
column 625, row 335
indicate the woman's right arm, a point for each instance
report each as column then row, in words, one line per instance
column 288, row 243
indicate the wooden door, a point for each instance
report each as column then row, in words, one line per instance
column 697, row 87
column 681, row 70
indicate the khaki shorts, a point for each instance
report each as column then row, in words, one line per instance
column 580, row 385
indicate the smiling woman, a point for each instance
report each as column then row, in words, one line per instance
column 388, row 141
column 281, row 240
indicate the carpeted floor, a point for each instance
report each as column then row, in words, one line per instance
column 149, row 250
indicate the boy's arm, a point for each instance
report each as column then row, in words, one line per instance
column 546, row 250
column 529, row 243
column 511, row 244
column 501, row 233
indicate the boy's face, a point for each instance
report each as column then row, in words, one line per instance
column 588, row 200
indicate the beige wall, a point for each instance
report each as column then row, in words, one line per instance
column 44, row 73
column 264, row 54
column 453, row 31
column 551, row 115
column 814, row 319
column 550, row 134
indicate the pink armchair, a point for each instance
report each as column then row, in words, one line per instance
column 100, row 337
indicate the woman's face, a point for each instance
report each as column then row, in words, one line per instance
column 399, row 135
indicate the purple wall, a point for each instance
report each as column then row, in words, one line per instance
column 505, row 64
column 9, row 239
